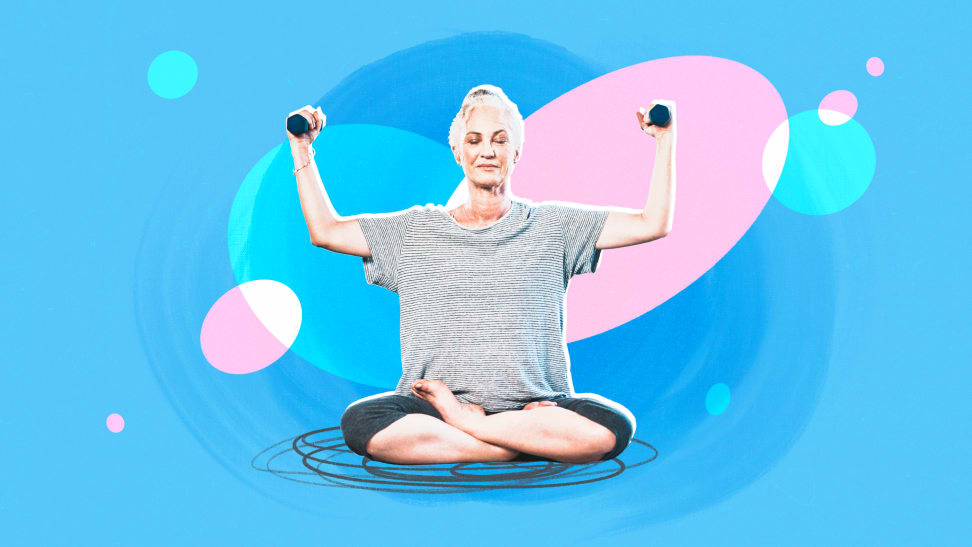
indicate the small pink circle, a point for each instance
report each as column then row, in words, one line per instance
column 875, row 66
column 115, row 423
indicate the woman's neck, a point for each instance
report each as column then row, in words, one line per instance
column 483, row 206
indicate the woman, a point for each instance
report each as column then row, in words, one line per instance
column 486, row 374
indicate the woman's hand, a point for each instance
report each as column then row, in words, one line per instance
column 654, row 130
column 315, row 119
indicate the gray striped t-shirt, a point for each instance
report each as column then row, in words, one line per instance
column 482, row 309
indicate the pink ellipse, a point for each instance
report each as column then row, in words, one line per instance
column 841, row 101
column 234, row 340
column 726, row 112
column 115, row 423
column 875, row 66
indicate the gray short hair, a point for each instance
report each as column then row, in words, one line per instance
column 486, row 95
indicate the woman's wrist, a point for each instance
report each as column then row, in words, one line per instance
column 665, row 138
column 301, row 152
column 300, row 149
column 303, row 157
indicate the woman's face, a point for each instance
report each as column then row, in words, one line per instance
column 486, row 153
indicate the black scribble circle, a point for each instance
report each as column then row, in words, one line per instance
column 321, row 458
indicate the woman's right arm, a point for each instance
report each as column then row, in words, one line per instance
column 327, row 229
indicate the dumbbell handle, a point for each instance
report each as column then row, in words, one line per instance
column 297, row 124
column 658, row 115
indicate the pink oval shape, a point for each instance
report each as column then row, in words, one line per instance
column 587, row 147
column 875, row 66
column 233, row 338
column 837, row 107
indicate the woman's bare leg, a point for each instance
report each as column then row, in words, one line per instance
column 547, row 431
column 419, row 438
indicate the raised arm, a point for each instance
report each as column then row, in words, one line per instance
column 327, row 229
column 625, row 227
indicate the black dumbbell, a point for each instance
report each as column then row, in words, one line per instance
column 297, row 124
column 659, row 115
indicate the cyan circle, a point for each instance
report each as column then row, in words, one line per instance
column 172, row 74
column 827, row 167
column 365, row 169
column 717, row 399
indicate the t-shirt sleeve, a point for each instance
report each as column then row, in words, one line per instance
column 581, row 226
column 385, row 234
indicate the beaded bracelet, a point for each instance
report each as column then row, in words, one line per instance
column 309, row 160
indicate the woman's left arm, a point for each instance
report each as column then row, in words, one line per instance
column 626, row 227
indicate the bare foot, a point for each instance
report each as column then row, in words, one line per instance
column 536, row 404
column 459, row 415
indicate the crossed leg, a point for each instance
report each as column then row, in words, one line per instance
column 467, row 434
column 419, row 438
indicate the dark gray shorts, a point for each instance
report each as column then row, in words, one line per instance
column 362, row 420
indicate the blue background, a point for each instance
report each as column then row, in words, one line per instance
column 90, row 153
